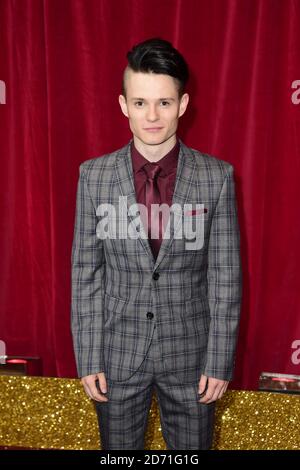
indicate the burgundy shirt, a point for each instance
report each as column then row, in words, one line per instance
column 165, row 179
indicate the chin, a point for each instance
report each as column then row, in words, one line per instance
column 158, row 142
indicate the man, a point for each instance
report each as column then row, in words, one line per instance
column 151, row 309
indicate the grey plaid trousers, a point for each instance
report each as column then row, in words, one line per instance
column 186, row 423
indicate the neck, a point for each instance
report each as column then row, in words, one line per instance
column 154, row 153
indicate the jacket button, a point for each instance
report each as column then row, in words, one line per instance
column 155, row 276
column 150, row 315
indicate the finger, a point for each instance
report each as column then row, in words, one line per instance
column 102, row 383
column 215, row 395
column 86, row 389
column 209, row 393
column 96, row 393
column 213, row 390
column 91, row 389
column 203, row 383
column 224, row 388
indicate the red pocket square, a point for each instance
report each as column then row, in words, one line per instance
column 196, row 211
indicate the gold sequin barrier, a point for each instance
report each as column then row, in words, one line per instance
column 52, row 413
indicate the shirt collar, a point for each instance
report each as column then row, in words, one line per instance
column 168, row 162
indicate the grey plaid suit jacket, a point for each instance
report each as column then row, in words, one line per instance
column 193, row 295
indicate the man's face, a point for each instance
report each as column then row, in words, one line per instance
column 152, row 105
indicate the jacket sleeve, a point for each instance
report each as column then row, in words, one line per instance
column 224, row 277
column 88, row 271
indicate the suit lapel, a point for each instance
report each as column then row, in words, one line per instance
column 125, row 180
column 184, row 178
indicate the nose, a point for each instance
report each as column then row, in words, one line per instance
column 152, row 114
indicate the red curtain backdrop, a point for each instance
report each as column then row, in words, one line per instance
column 61, row 63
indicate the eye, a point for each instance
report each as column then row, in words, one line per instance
column 165, row 103
column 138, row 104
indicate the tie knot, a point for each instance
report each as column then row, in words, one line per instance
column 152, row 170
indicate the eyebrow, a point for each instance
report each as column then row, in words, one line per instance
column 159, row 99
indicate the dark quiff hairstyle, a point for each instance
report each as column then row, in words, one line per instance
column 158, row 56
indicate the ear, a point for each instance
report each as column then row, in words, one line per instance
column 183, row 104
column 123, row 105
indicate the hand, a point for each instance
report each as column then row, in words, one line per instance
column 90, row 387
column 215, row 388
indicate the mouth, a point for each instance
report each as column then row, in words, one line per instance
column 153, row 129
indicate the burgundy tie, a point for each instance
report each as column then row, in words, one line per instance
column 152, row 196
